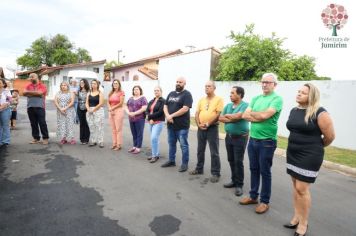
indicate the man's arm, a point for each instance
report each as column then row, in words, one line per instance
column 260, row 116
column 27, row 93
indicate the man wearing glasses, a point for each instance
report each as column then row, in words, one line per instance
column 206, row 118
column 263, row 113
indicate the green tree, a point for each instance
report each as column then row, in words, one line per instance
column 57, row 50
column 110, row 64
column 252, row 55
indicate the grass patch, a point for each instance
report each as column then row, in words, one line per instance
column 337, row 155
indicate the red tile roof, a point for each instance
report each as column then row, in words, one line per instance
column 153, row 74
column 147, row 59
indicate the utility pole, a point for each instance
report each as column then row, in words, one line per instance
column 191, row 47
column 118, row 56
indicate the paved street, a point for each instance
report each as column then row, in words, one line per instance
column 81, row 190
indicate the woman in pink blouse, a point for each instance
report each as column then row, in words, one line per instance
column 116, row 113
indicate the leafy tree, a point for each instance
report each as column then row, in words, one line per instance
column 252, row 55
column 57, row 50
column 110, row 64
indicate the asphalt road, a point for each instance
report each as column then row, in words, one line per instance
column 80, row 190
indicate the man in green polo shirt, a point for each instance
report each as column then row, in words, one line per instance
column 236, row 138
column 263, row 113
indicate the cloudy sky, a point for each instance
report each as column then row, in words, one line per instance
column 143, row 28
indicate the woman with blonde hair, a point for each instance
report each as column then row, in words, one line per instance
column 155, row 118
column 64, row 101
column 116, row 113
column 311, row 129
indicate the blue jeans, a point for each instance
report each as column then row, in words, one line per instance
column 182, row 137
column 155, row 133
column 137, row 132
column 4, row 126
column 260, row 153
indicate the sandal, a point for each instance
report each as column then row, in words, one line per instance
column 154, row 159
column 35, row 141
column 113, row 147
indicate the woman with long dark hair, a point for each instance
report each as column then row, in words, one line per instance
column 84, row 132
column 95, row 114
column 116, row 113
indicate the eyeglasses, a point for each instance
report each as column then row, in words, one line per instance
column 267, row 82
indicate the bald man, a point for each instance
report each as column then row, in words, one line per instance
column 177, row 112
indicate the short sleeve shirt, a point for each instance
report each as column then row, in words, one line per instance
column 238, row 127
column 36, row 101
column 266, row 129
column 175, row 101
column 208, row 109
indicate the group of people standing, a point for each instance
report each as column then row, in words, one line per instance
column 247, row 125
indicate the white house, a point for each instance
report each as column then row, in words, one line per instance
column 53, row 76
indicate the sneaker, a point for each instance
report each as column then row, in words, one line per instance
column 45, row 141
column 168, row 164
column 101, row 145
column 214, row 178
column 136, row 151
column 73, row 142
column 63, row 141
column 183, row 168
column 92, row 144
column 84, row 143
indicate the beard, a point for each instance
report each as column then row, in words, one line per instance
column 179, row 88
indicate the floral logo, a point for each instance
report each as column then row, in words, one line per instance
column 334, row 17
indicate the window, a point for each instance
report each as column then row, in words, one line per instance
column 54, row 81
column 96, row 69
column 65, row 78
column 127, row 75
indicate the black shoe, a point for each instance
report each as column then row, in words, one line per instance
column 183, row 168
column 238, row 191
column 290, row 226
column 229, row 185
column 168, row 164
column 214, row 178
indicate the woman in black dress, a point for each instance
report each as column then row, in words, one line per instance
column 311, row 130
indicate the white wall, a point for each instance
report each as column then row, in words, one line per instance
column 195, row 67
column 338, row 97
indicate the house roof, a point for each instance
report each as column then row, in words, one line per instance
column 2, row 75
column 153, row 74
column 43, row 70
column 199, row 50
column 147, row 59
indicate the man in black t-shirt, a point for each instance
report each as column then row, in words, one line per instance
column 176, row 110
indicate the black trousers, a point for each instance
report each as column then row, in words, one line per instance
column 84, row 132
column 37, row 116
column 211, row 135
column 235, row 149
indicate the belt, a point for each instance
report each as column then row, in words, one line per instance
column 260, row 140
column 237, row 135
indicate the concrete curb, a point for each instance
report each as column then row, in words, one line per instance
column 346, row 170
